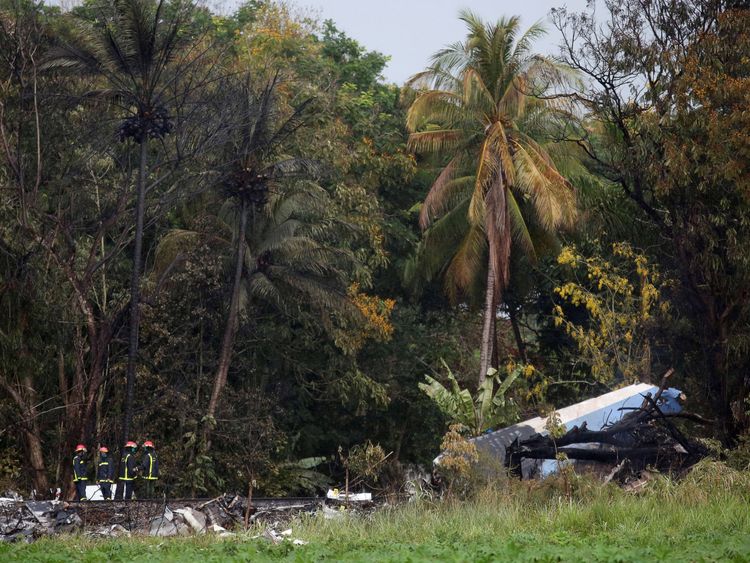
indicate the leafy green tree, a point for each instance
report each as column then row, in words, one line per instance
column 485, row 115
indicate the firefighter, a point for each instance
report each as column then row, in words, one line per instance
column 128, row 469
column 105, row 473
column 80, row 471
column 149, row 470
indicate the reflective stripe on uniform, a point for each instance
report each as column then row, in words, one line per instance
column 102, row 464
column 75, row 473
column 127, row 476
column 150, row 476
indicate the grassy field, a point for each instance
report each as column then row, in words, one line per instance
column 705, row 517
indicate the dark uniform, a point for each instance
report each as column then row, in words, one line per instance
column 104, row 474
column 149, row 470
column 80, row 477
column 127, row 473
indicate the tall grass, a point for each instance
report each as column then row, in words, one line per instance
column 702, row 517
column 712, row 502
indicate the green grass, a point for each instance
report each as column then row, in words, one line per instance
column 706, row 517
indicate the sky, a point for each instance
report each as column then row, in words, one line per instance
column 410, row 31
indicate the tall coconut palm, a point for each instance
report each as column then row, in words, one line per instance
column 130, row 49
column 483, row 114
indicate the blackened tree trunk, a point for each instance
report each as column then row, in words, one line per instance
column 230, row 329
column 135, row 293
column 520, row 344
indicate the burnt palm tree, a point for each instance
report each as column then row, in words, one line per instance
column 484, row 114
column 256, row 166
column 274, row 222
column 131, row 50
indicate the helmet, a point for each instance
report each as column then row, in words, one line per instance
column 80, row 448
column 131, row 444
column 148, row 444
column 104, row 449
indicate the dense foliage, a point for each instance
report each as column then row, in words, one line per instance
column 211, row 233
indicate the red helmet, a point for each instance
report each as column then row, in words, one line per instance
column 131, row 444
column 80, row 448
column 148, row 444
column 104, row 449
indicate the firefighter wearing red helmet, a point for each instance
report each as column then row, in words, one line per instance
column 105, row 473
column 80, row 472
column 128, row 469
column 149, row 470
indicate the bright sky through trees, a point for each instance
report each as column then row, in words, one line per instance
column 410, row 31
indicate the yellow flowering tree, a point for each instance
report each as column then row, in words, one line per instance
column 623, row 298
column 459, row 458
column 375, row 320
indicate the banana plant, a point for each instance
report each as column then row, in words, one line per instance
column 487, row 409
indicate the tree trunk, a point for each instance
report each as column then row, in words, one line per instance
column 135, row 293
column 36, row 460
column 488, row 329
column 249, row 502
column 517, row 334
column 230, row 330
column 25, row 398
column 498, row 238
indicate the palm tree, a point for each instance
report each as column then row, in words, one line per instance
column 255, row 166
column 483, row 114
column 274, row 220
column 131, row 49
column 287, row 264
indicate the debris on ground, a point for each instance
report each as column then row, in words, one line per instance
column 335, row 494
column 27, row 521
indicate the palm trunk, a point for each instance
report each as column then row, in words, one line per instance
column 135, row 293
column 498, row 239
column 488, row 330
column 230, row 330
column 517, row 334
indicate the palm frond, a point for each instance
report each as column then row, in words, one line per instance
column 436, row 107
column 519, row 228
column 434, row 202
column 437, row 141
column 466, row 264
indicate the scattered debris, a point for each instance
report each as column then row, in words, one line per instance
column 27, row 521
column 163, row 527
column 196, row 520
column 593, row 414
column 335, row 494
column 333, row 513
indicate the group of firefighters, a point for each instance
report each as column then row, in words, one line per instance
column 147, row 469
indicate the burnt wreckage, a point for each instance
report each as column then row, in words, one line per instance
column 631, row 428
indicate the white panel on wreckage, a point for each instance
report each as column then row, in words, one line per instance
column 597, row 413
